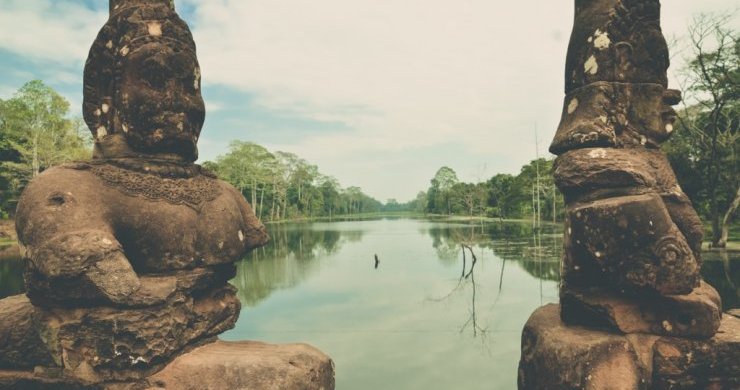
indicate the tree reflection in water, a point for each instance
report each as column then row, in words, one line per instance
column 721, row 268
column 298, row 251
column 293, row 254
column 467, row 278
column 536, row 250
column 11, row 271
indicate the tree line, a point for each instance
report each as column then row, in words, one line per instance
column 281, row 185
column 531, row 194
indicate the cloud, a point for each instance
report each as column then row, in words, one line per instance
column 214, row 106
column 53, row 31
column 401, row 75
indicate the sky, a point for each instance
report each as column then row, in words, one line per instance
column 378, row 93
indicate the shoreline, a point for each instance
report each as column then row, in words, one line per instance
column 9, row 243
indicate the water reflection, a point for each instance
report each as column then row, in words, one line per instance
column 293, row 254
column 537, row 251
column 464, row 282
column 11, row 271
column 440, row 291
column 442, row 299
column 297, row 251
column 722, row 270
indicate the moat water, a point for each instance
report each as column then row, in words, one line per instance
column 426, row 317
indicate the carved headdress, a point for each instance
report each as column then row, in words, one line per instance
column 151, row 26
column 615, row 78
column 625, row 44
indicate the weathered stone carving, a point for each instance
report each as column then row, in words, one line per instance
column 630, row 229
column 140, row 205
column 128, row 255
column 632, row 258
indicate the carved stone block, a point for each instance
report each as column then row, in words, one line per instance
column 693, row 315
column 629, row 243
column 558, row 356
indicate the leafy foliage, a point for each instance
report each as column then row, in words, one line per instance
column 530, row 193
column 704, row 149
column 281, row 185
column 35, row 134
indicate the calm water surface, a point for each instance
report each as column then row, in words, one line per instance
column 428, row 317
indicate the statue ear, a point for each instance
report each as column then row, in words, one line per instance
column 623, row 60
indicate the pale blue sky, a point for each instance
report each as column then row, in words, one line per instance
column 378, row 93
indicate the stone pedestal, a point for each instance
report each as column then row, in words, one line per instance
column 220, row 365
column 558, row 356
column 694, row 315
column 109, row 349
column 248, row 365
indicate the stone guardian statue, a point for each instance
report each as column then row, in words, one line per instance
column 128, row 255
column 634, row 312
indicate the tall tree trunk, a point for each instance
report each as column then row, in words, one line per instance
column 714, row 172
column 262, row 198
column 254, row 194
column 35, row 163
column 534, row 213
column 272, row 207
column 299, row 195
column 554, row 203
column 722, row 242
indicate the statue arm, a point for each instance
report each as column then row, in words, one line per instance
column 68, row 245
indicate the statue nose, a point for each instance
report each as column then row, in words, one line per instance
column 672, row 97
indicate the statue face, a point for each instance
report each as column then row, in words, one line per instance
column 650, row 113
column 160, row 107
column 608, row 114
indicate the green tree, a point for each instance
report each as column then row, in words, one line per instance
column 501, row 199
column 330, row 192
column 248, row 167
column 420, row 202
column 288, row 185
column 439, row 196
column 704, row 149
column 35, row 134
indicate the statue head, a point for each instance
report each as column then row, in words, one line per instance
column 616, row 41
column 142, row 84
column 616, row 80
